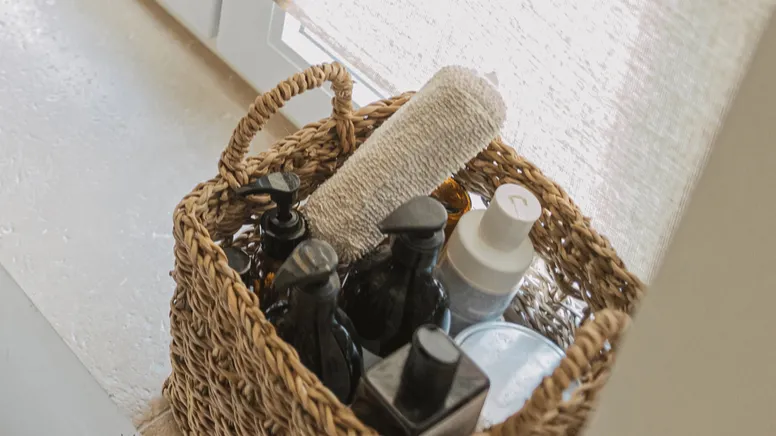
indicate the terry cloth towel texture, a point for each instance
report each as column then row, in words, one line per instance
column 452, row 118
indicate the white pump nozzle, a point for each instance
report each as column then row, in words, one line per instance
column 509, row 217
column 490, row 249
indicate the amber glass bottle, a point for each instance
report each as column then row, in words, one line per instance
column 456, row 201
column 282, row 229
column 392, row 292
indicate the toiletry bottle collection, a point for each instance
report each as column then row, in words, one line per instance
column 396, row 306
column 420, row 267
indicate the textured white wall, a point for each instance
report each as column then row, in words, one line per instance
column 108, row 116
column 699, row 359
column 617, row 100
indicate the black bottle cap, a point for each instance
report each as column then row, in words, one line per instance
column 428, row 373
column 419, row 228
column 420, row 217
column 283, row 226
column 312, row 267
column 237, row 259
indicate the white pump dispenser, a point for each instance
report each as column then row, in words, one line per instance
column 487, row 256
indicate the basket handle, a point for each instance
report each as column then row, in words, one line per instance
column 232, row 163
column 590, row 339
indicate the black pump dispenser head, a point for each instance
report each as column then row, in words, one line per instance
column 283, row 226
column 419, row 228
column 420, row 217
column 311, row 267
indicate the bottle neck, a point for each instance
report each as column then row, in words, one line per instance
column 315, row 303
column 417, row 253
column 281, row 235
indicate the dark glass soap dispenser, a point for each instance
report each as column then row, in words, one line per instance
column 311, row 321
column 282, row 229
column 238, row 260
column 392, row 292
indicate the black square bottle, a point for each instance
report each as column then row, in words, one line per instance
column 429, row 387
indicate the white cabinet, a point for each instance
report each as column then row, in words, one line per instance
column 265, row 45
column 251, row 40
column 199, row 16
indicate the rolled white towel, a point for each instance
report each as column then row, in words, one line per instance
column 445, row 124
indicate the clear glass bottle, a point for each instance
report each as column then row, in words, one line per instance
column 525, row 358
column 282, row 229
column 311, row 321
column 392, row 292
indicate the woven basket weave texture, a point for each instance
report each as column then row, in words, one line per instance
column 232, row 375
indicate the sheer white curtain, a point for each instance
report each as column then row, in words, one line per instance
column 616, row 100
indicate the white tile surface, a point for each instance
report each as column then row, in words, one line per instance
column 44, row 389
column 109, row 114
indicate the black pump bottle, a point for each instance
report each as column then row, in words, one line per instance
column 238, row 260
column 282, row 229
column 428, row 388
column 312, row 323
column 392, row 292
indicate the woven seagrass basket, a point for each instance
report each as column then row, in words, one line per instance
column 232, row 375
